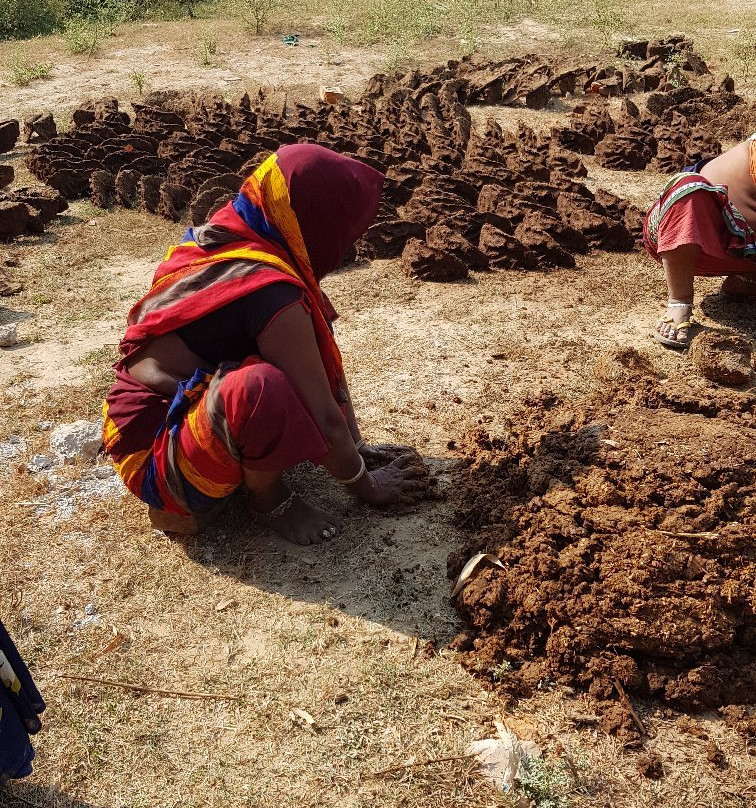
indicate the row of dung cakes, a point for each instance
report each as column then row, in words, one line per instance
column 182, row 157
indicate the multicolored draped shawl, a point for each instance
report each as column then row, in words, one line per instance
column 292, row 221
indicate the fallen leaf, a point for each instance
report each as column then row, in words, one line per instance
column 469, row 568
column 118, row 640
column 224, row 604
column 302, row 718
column 612, row 443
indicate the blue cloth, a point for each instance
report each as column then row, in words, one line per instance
column 20, row 706
column 696, row 167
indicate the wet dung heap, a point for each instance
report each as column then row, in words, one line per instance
column 512, row 199
column 625, row 524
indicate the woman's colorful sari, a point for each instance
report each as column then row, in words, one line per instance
column 292, row 221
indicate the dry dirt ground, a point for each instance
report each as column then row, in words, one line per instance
column 344, row 632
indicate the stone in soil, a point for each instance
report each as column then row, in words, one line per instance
column 8, row 335
column 80, row 440
column 722, row 358
column 625, row 524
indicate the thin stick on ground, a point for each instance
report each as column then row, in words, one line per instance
column 428, row 762
column 706, row 535
column 625, row 699
column 180, row 694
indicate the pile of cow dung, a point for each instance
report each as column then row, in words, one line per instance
column 625, row 524
column 23, row 210
column 454, row 198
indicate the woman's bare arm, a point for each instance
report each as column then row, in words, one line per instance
column 289, row 343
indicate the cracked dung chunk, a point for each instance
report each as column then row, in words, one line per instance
column 650, row 765
column 444, row 238
column 504, row 251
column 7, row 174
column 572, row 140
column 207, row 202
column 722, row 358
column 14, row 216
column 9, row 134
column 73, row 182
column 40, row 128
column 431, row 264
column 102, row 186
column 149, row 192
column 174, row 199
column 386, row 239
column 626, row 152
column 593, row 120
column 47, row 202
column 127, row 187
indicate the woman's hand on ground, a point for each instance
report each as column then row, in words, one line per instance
column 403, row 481
column 379, row 454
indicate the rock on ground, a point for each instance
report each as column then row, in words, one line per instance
column 79, row 440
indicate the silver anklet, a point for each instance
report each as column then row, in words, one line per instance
column 279, row 510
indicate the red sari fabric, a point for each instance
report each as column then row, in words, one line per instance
column 693, row 211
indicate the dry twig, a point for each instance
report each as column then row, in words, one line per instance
column 706, row 535
column 625, row 699
column 179, row 694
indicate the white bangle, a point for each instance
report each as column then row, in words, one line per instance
column 358, row 476
column 360, row 443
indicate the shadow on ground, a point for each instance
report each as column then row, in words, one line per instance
column 385, row 567
column 738, row 316
column 21, row 795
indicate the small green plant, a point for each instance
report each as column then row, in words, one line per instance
column 397, row 55
column 256, row 14
column 675, row 75
column 544, row 783
column 744, row 53
column 81, row 36
column 607, row 20
column 338, row 27
column 209, row 49
column 468, row 18
column 22, row 72
column 501, row 670
column 139, row 80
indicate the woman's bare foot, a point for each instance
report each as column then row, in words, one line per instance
column 298, row 521
column 673, row 330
